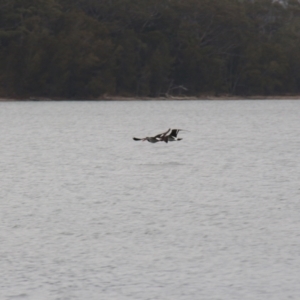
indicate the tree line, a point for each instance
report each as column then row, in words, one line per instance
column 84, row 49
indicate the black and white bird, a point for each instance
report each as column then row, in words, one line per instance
column 154, row 139
column 169, row 136
column 173, row 135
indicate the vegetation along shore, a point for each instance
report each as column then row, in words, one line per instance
column 150, row 49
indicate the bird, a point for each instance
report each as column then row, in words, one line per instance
column 161, row 137
column 173, row 135
column 169, row 136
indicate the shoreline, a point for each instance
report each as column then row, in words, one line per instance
column 171, row 98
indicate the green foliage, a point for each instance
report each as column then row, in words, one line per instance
column 88, row 48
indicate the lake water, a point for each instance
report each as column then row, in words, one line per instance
column 87, row 213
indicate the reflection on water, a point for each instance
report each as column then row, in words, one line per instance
column 88, row 213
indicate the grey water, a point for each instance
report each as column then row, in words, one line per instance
column 88, row 213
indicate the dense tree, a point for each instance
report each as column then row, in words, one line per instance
column 89, row 48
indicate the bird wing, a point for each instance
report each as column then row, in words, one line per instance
column 160, row 135
column 137, row 139
column 174, row 132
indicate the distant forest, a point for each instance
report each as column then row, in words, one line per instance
column 85, row 49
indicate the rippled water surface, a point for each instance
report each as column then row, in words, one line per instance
column 87, row 213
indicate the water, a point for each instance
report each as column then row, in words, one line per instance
column 88, row 213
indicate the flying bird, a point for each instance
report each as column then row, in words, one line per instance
column 154, row 139
column 168, row 136
column 173, row 135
